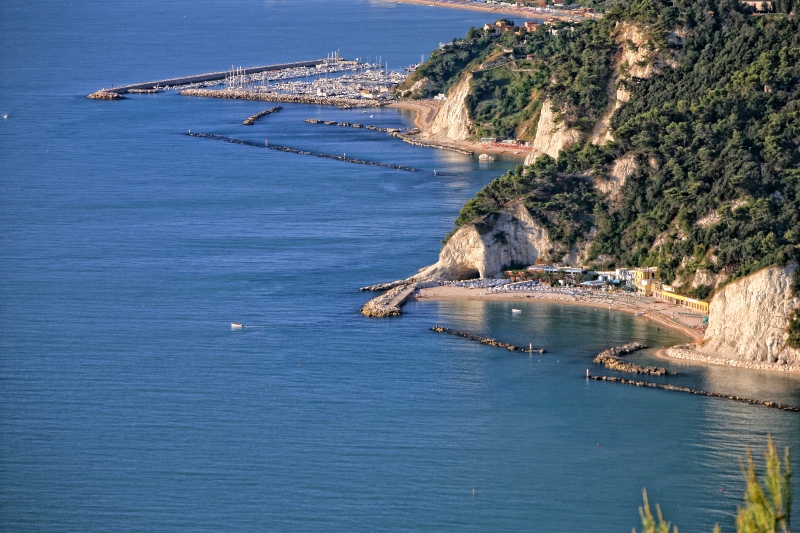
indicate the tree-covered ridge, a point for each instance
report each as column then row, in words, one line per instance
column 716, row 138
column 719, row 138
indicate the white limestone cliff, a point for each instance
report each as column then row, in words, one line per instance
column 452, row 120
column 748, row 319
column 481, row 250
column 552, row 135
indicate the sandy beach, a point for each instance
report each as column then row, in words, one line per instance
column 424, row 114
column 497, row 9
column 671, row 316
column 667, row 315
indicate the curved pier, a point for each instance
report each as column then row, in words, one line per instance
column 279, row 148
column 698, row 392
column 611, row 359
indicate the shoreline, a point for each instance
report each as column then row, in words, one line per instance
column 500, row 9
column 656, row 311
column 425, row 112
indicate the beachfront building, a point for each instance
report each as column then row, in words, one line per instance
column 645, row 280
column 665, row 293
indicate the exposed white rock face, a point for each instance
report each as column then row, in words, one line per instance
column 551, row 136
column 703, row 277
column 748, row 319
column 481, row 250
column 611, row 186
column 452, row 120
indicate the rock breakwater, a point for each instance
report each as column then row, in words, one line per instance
column 279, row 148
column 486, row 340
column 666, row 386
column 611, row 359
column 249, row 121
column 389, row 303
column 237, row 94
column 106, row 95
column 394, row 132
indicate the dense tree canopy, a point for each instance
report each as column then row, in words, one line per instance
column 716, row 138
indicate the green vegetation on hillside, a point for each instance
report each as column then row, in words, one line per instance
column 716, row 139
column 446, row 64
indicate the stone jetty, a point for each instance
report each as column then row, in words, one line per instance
column 665, row 386
column 611, row 359
column 239, row 94
column 485, row 340
column 106, row 95
column 288, row 149
column 389, row 303
column 394, row 132
column 249, row 121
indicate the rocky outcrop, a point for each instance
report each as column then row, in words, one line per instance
column 552, row 134
column 481, row 249
column 611, row 359
column 452, row 121
column 106, row 95
column 748, row 319
column 611, row 184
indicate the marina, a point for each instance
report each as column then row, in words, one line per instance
column 331, row 80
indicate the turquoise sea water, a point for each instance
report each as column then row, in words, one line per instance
column 127, row 403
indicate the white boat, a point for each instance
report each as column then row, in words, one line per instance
column 236, row 325
column 516, row 310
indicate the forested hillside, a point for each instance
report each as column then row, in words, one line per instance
column 713, row 136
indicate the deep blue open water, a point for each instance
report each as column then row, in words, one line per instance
column 126, row 401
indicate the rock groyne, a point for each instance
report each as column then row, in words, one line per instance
column 249, row 121
column 611, row 359
column 396, row 133
column 288, row 149
column 665, row 386
column 486, row 340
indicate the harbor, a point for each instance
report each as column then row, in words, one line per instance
column 329, row 81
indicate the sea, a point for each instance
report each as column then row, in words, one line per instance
column 127, row 402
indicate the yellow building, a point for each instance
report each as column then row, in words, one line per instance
column 645, row 280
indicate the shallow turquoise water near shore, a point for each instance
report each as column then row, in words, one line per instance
column 127, row 403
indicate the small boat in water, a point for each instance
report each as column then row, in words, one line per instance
column 516, row 310
column 236, row 325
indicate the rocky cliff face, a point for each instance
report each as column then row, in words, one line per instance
column 552, row 135
column 481, row 249
column 748, row 319
column 452, row 120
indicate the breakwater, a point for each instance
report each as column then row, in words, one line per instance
column 394, row 132
column 665, row 386
column 298, row 151
column 389, row 303
column 485, row 340
column 249, row 121
column 611, row 359
column 240, row 94
column 207, row 77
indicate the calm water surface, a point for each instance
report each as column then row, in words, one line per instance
column 127, row 403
